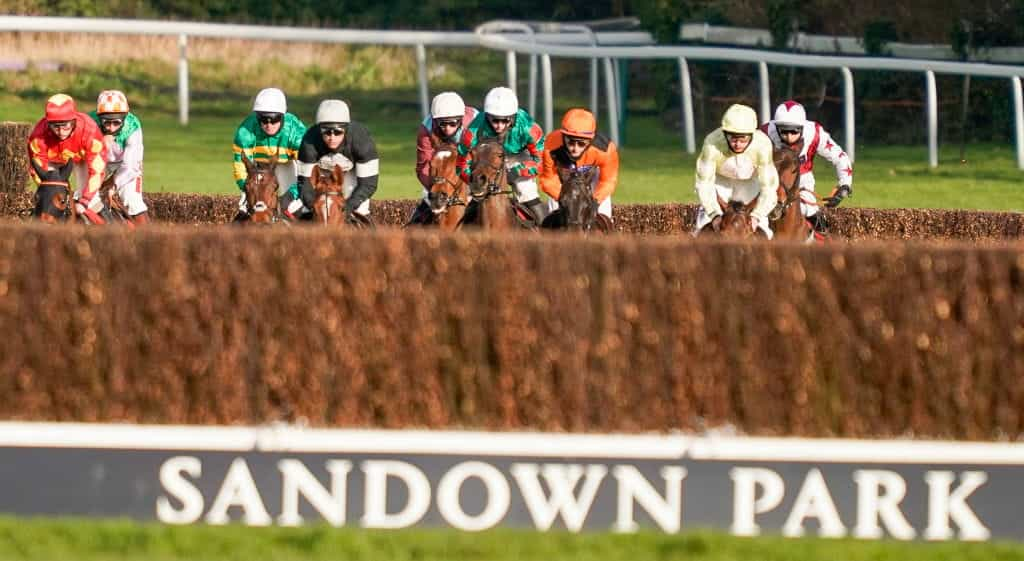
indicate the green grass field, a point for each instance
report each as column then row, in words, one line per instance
column 51, row 540
column 655, row 168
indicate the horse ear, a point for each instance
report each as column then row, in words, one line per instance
column 247, row 162
column 314, row 177
column 749, row 207
column 338, row 174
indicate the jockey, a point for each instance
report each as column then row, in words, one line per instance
column 337, row 139
column 522, row 139
column 122, row 134
column 736, row 163
column 449, row 116
column 577, row 146
column 270, row 131
column 63, row 142
column 790, row 128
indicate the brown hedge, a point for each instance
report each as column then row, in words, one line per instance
column 400, row 329
column 13, row 156
column 846, row 223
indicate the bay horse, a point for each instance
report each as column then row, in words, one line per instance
column 489, row 188
column 54, row 198
column 788, row 220
column 261, row 186
column 449, row 194
column 736, row 219
column 577, row 208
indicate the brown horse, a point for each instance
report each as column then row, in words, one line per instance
column 788, row 220
column 489, row 188
column 577, row 209
column 736, row 219
column 329, row 206
column 261, row 191
column 449, row 194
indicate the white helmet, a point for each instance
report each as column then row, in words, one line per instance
column 501, row 102
column 790, row 113
column 447, row 104
column 270, row 100
column 739, row 119
column 332, row 111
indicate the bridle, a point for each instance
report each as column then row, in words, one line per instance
column 582, row 189
column 329, row 201
column 256, row 180
column 449, row 199
column 493, row 186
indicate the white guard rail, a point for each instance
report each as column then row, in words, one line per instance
column 542, row 44
column 843, row 63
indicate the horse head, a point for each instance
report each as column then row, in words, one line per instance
column 736, row 219
column 261, row 190
column 329, row 207
column 787, row 219
column 787, row 163
column 577, row 199
column 489, row 175
column 446, row 188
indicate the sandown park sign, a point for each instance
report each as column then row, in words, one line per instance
column 472, row 481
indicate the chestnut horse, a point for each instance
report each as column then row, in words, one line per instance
column 449, row 194
column 329, row 206
column 489, row 188
column 788, row 220
column 736, row 220
column 261, row 191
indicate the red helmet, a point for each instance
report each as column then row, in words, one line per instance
column 60, row 107
column 579, row 122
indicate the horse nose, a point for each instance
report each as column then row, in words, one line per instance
column 260, row 207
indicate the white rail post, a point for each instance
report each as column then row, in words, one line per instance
column 932, row 115
column 421, row 63
column 613, row 102
column 183, row 79
column 1018, row 119
column 510, row 70
column 686, row 106
column 766, row 102
column 533, row 85
column 593, row 87
column 545, row 70
column 848, row 113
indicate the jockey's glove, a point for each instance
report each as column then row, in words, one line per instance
column 838, row 195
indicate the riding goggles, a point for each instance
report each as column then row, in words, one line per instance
column 499, row 120
column 332, row 131
column 573, row 141
column 56, row 125
column 269, row 118
column 111, row 122
column 449, row 122
column 788, row 130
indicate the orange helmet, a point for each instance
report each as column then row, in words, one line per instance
column 579, row 122
column 111, row 101
column 60, row 107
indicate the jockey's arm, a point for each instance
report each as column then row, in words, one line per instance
column 838, row 157
column 242, row 145
column 768, row 180
column 131, row 160
column 707, row 169
column 529, row 166
column 37, row 160
column 367, row 166
column 549, row 181
column 424, row 154
column 609, row 178
column 96, row 162
column 464, row 163
column 303, row 170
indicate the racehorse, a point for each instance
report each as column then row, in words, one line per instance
column 53, row 198
column 449, row 194
column 261, row 191
column 788, row 220
column 577, row 208
column 489, row 188
column 329, row 207
column 736, row 219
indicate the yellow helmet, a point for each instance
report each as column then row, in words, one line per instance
column 739, row 119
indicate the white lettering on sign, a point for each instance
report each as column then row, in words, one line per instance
column 746, row 505
column 879, row 493
column 943, row 505
column 375, row 499
column 814, row 501
column 496, row 505
column 562, row 480
column 297, row 480
column 239, row 490
column 173, row 481
column 666, row 511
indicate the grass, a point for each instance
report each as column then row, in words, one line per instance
column 39, row 539
column 379, row 83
